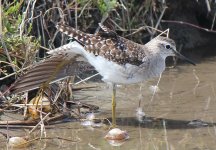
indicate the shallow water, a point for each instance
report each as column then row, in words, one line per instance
column 186, row 93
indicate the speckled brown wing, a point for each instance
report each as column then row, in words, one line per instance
column 107, row 44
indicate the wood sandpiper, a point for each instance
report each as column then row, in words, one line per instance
column 118, row 60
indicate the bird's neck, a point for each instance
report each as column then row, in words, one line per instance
column 160, row 63
column 156, row 66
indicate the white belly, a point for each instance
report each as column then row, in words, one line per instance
column 115, row 73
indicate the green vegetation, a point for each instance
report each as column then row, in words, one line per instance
column 16, row 49
column 105, row 6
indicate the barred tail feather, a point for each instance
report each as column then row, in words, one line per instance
column 78, row 35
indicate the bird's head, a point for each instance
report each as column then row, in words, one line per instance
column 166, row 47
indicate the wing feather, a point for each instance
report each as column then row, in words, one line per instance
column 63, row 62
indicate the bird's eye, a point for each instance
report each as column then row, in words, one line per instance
column 167, row 46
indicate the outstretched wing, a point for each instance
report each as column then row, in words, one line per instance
column 107, row 44
column 64, row 61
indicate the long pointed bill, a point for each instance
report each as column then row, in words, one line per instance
column 183, row 57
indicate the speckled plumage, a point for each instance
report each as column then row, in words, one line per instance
column 107, row 44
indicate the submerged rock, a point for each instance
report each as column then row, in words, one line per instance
column 18, row 142
column 116, row 137
column 117, row 134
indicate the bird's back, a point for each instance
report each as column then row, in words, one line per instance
column 107, row 44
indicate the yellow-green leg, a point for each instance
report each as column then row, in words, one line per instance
column 114, row 106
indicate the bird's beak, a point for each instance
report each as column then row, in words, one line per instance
column 183, row 57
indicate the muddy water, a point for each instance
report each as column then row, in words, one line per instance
column 186, row 93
